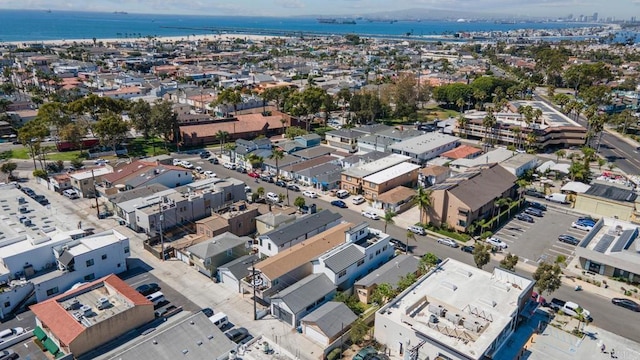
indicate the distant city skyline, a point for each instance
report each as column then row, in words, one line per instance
column 621, row 9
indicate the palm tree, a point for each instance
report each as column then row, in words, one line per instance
column 537, row 114
column 388, row 219
column 222, row 136
column 460, row 102
column 560, row 154
column 423, row 200
column 409, row 235
column 489, row 121
column 277, row 154
column 517, row 132
column 462, row 125
column 611, row 166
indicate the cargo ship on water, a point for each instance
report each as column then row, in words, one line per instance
column 336, row 21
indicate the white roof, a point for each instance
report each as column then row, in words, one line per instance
column 391, row 173
column 563, row 168
column 82, row 175
column 576, row 187
column 375, row 166
column 424, row 143
column 494, row 156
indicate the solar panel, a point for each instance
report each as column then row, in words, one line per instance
column 623, row 240
column 604, row 243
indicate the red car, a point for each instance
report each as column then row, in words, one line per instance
column 254, row 174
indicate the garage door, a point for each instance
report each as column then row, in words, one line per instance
column 228, row 280
column 282, row 314
column 315, row 335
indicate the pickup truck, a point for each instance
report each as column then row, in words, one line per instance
column 569, row 308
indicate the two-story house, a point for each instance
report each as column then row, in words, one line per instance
column 207, row 256
column 353, row 178
column 293, row 233
column 423, row 148
column 364, row 249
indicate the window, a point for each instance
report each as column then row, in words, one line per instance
column 360, row 262
column 269, row 246
column 90, row 277
column 378, row 252
column 52, row 291
column 104, row 257
column 89, row 262
column 462, row 223
column 370, row 256
column 348, row 178
column 126, row 249
column 229, row 252
column 7, row 304
column 384, row 248
column 342, row 273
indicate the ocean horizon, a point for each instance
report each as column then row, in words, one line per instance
column 42, row 25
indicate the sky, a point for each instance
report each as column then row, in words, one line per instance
column 544, row 8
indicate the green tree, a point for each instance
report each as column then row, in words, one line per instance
column 382, row 293
column 293, row 131
column 299, row 202
column 560, row 154
column 54, row 114
column 405, row 281
column 77, row 163
column 111, row 129
column 222, row 137
column 423, row 201
column 547, row 277
column 165, row 122
column 481, row 255
column 509, row 262
column 260, row 191
column 358, row 331
column 409, row 235
column 229, row 96
column 8, row 168
column 427, row 262
column 31, row 135
column 388, row 219
column 140, row 115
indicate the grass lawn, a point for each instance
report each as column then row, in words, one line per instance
column 142, row 147
column 436, row 112
column 23, row 154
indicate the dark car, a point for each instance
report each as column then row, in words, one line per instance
column 468, row 249
column 241, row 169
column 213, row 160
column 565, row 238
column 524, row 217
column 267, row 178
column 626, row 303
column 293, row 187
column 237, row 335
column 28, row 191
column 533, row 211
column 8, row 355
column 148, row 289
column 537, row 205
column 207, row 311
column 339, row 203
column 398, row 245
column 205, row 155
column 41, row 199
column 534, row 193
column 281, row 183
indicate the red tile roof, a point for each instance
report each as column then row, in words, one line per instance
column 245, row 123
column 461, row 152
column 135, row 169
column 62, row 324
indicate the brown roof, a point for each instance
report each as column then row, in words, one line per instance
column 461, row 152
column 213, row 222
column 62, row 324
column 135, row 169
column 244, row 123
column 301, row 253
column 484, row 187
column 396, row 195
column 434, row 170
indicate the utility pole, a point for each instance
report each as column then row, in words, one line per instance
column 95, row 193
column 161, row 219
column 254, row 284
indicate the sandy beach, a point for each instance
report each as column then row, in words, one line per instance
column 209, row 37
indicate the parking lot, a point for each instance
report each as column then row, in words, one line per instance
column 538, row 241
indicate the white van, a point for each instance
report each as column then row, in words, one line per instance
column 341, row 194
column 220, row 320
column 358, row 200
column 156, row 297
column 71, row 194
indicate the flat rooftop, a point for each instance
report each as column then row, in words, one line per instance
column 373, row 167
column 391, row 173
column 473, row 306
column 551, row 118
column 424, row 143
column 96, row 304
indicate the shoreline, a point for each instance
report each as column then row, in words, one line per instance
column 209, row 37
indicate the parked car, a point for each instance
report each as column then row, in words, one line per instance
column 101, row 161
column 358, row 200
column 213, row 160
column 309, row 193
column 28, row 191
column 199, row 169
column 448, row 242
column 229, row 165
column 254, row 174
column 587, row 222
column 565, row 238
column 339, row 203
column 267, row 178
column 537, row 205
column 534, row 193
column 293, row 187
column 273, row 197
column 209, row 174
column 534, row 212
column 187, row 165
column 205, row 155
column 241, row 169
column 342, row 194
column 626, row 303
column 207, row 311
column 494, row 241
column 10, row 333
column 371, row 215
column 524, row 217
column 581, row 226
column 41, row 199
column 281, row 183
column 468, row 249
column 417, row 229
column 8, row 355
column 148, row 289
column 398, row 245
column 237, row 335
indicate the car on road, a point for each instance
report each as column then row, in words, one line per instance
column 309, row 193
column 213, row 160
column 534, row 193
column 241, row 169
column 417, row 229
column 281, row 183
column 267, row 178
column 358, row 200
column 448, row 242
column 468, row 249
column 293, row 187
column 209, row 174
column 537, row 205
column 371, row 215
column 626, row 303
column 8, row 355
column 10, row 333
column 271, row 196
column 185, row 164
column 566, row 238
column 148, row 289
column 524, row 217
column 207, row 311
column 254, row 175
column 339, row 203
column 398, row 245
column 230, row 166
column 581, row 226
column 205, row 155
column 237, row 335
column 494, row 241
column 199, row 169
column 533, row 211
column 101, row 161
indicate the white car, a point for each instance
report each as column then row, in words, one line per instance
column 417, row 230
column 199, row 169
column 309, row 193
column 579, row 226
column 273, row 197
column 448, row 242
column 10, row 333
column 494, row 241
column 177, row 162
column 371, row 215
column 101, row 161
column 230, row 166
column 358, row 200
column 186, row 164
column 209, row 174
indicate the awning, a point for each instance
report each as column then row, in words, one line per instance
column 51, row 346
column 39, row 333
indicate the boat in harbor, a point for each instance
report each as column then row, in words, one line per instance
column 336, row 21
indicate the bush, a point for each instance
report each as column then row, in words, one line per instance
column 334, row 354
column 40, row 173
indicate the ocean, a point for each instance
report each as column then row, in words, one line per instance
column 23, row 25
